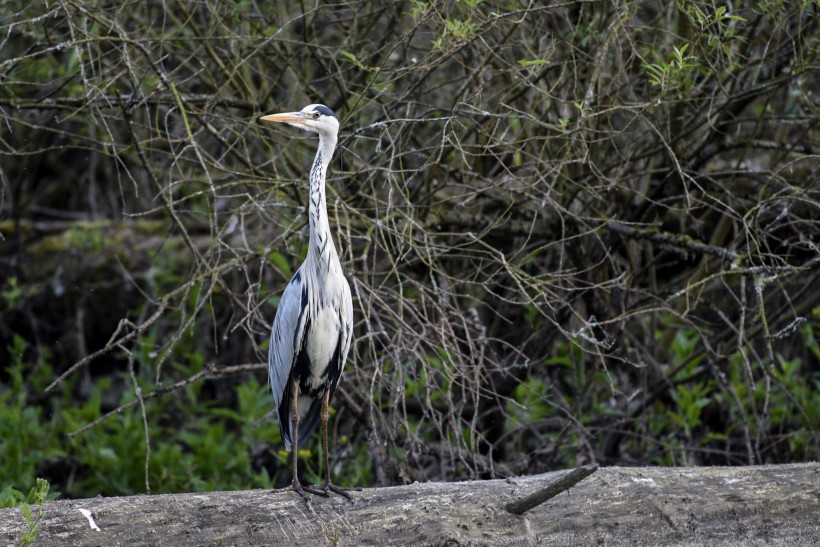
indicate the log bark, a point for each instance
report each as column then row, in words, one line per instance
column 772, row 505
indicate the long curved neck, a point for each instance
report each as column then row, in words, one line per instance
column 321, row 243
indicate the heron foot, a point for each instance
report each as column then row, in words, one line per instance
column 303, row 491
column 330, row 487
column 323, row 491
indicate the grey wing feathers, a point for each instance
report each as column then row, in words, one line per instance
column 286, row 338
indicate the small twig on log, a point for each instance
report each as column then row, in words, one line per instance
column 564, row 483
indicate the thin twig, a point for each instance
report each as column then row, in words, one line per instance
column 679, row 241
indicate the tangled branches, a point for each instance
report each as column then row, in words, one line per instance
column 572, row 232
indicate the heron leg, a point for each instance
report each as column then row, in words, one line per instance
column 329, row 486
column 294, row 432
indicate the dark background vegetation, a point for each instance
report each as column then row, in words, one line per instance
column 575, row 232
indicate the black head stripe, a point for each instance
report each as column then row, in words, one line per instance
column 324, row 110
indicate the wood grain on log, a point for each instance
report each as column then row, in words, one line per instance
column 777, row 505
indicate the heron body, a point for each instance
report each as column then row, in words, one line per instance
column 313, row 327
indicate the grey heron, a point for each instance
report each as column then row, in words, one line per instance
column 313, row 326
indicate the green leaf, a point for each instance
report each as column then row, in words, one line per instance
column 26, row 512
column 281, row 263
column 526, row 63
column 349, row 56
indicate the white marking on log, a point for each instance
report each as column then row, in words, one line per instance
column 91, row 522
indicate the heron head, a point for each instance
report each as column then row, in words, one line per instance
column 314, row 117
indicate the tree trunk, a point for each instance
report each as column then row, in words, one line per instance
column 777, row 505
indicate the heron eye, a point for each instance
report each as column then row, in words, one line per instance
column 316, row 115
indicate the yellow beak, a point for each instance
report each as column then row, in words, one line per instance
column 287, row 117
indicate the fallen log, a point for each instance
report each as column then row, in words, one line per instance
column 773, row 505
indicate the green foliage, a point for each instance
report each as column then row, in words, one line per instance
column 11, row 497
column 23, row 428
column 458, row 27
column 37, row 495
column 13, row 293
column 461, row 30
column 206, row 447
column 717, row 28
column 676, row 72
column 675, row 432
column 196, row 445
